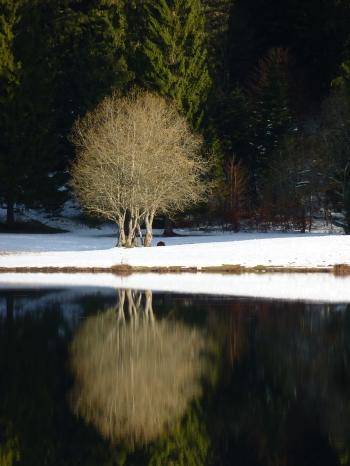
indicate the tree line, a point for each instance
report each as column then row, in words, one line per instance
column 266, row 86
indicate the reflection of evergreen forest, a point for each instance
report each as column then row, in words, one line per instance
column 251, row 382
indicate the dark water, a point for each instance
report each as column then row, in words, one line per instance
column 102, row 378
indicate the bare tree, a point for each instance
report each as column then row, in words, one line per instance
column 136, row 375
column 136, row 158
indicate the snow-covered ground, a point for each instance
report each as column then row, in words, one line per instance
column 86, row 247
column 95, row 248
column 306, row 287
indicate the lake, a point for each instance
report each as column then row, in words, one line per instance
column 101, row 376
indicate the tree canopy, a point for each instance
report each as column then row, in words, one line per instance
column 136, row 157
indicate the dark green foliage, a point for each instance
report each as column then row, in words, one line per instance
column 9, row 80
column 270, row 108
column 233, row 121
column 217, row 22
column 188, row 445
column 89, row 58
column 9, row 67
column 175, row 55
column 28, row 163
column 36, row 424
column 336, row 139
column 246, row 73
column 59, row 59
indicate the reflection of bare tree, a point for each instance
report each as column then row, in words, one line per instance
column 135, row 375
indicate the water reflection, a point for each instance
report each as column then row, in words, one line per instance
column 135, row 375
column 284, row 398
column 279, row 391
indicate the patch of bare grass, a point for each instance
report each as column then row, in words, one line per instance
column 341, row 269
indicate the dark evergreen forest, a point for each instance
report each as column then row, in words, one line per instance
column 267, row 84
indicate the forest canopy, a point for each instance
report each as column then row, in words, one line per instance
column 259, row 80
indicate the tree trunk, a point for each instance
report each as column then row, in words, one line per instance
column 149, row 232
column 129, row 236
column 139, row 235
column 121, row 236
column 129, row 239
column 148, row 240
column 347, row 210
column 236, row 215
column 10, row 214
column 127, row 230
column 310, row 213
column 121, row 232
column 131, row 231
column 303, row 221
column 168, row 228
column 148, row 306
column 347, row 222
column 126, row 222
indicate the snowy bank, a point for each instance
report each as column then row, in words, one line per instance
column 245, row 249
column 306, row 287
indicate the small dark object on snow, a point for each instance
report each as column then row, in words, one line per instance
column 160, row 243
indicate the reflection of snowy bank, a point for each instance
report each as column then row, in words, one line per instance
column 70, row 301
column 298, row 286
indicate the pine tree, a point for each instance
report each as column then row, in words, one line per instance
column 90, row 62
column 60, row 59
column 9, row 67
column 217, row 24
column 232, row 120
column 9, row 70
column 272, row 118
column 175, row 54
column 24, row 113
column 336, row 138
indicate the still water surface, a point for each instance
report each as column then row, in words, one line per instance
column 118, row 377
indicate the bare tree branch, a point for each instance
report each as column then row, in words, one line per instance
column 136, row 158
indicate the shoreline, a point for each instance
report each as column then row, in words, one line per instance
column 232, row 255
column 226, row 269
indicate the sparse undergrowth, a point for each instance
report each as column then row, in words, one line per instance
column 32, row 227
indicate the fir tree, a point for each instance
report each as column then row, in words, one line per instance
column 272, row 117
column 232, row 120
column 175, row 54
column 336, row 138
column 9, row 67
column 217, row 126
column 217, row 23
column 26, row 156
column 60, row 59
column 9, row 78
column 90, row 62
